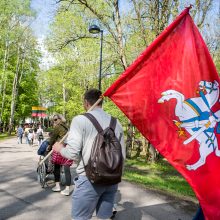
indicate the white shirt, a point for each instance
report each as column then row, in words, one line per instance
column 82, row 134
column 40, row 130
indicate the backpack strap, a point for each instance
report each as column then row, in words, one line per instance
column 94, row 122
column 113, row 123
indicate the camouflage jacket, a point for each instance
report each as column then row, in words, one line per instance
column 59, row 131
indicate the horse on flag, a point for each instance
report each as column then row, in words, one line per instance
column 197, row 118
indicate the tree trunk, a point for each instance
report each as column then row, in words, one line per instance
column 119, row 33
column 16, row 82
column 14, row 93
column 152, row 153
column 22, row 63
column 4, row 79
column 138, row 147
column 144, row 145
column 140, row 21
column 64, row 90
column 129, row 140
column 64, row 99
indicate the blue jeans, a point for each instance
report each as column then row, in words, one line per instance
column 27, row 141
column 88, row 197
column 20, row 139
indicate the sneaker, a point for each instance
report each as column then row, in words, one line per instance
column 65, row 192
column 113, row 214
column 56, row 189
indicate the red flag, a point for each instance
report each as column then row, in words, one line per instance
column 171, row 94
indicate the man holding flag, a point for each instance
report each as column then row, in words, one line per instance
column 171, row 94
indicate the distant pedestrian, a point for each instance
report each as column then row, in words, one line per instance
column 35, row 133
column 40, row 135
column 31, row 136
column 27, row 127
column 88, row 196
column 20, row 132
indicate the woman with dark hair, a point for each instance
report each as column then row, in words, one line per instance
column 60, row 129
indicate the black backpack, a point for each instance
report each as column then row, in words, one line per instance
column 106, row 160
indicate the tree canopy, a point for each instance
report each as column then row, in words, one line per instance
column 127, row 30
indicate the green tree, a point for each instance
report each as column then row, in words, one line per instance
column 126, row 35
column 19, row 60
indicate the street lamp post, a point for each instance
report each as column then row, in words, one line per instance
column 94, row 29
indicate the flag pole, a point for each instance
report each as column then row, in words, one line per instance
column 65, row 136
column 96, row 103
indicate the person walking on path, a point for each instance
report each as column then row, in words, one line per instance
column 20, row 132
column 26, row 131
column 88, row 196
column 34, row 133
column 31, row 136
column 60, row 129
column 40, row 135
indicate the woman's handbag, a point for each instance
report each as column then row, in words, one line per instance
column 58, row 159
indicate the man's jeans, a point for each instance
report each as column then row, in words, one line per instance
column 89, row 197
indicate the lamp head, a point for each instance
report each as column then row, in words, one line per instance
column 94, row 29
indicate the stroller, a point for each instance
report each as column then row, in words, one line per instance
column 47, row 167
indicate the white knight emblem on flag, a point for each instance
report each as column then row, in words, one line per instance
column 197, row 118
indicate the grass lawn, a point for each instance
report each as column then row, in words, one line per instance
column 5, row 136
column 160, row 176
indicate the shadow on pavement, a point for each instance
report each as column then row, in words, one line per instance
column 151, row 212
column 20, row 205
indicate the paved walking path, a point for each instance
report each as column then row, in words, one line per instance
column 22, row 198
